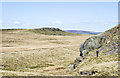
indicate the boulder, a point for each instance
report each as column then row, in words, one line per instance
column 106, row 42
column 91, row 43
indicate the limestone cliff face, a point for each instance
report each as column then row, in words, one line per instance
column 105, row 42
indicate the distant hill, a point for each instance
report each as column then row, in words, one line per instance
column 52, row 31
column 56, row 31
column 82, row 32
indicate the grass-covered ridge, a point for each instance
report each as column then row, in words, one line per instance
column 52, row 31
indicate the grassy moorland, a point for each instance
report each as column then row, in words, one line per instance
column 30, row 52
column 49, row 52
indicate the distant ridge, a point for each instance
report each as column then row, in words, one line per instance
column 52, row 31
column 82, row 32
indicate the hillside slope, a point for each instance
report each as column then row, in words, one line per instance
column 106, row 44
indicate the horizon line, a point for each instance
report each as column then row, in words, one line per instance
column 47, row 27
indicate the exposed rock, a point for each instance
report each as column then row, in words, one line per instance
column 91, row 43
column 106, row 42
column 70, row 66
column 87, row 72
column 110, row 49
column 52, row 29
column 77, row 61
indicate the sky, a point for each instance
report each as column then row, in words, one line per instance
column 88, row 16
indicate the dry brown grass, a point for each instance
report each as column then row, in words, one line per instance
column 27, row 53
column 33, row 54
column 105, row 65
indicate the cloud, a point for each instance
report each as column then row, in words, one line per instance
column 17, row 22
column 57, row 23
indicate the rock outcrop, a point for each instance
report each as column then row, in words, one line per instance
column 91, row 43
column 105, row 42
column 52, row 31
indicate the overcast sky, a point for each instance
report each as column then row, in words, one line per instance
column 89, row 16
